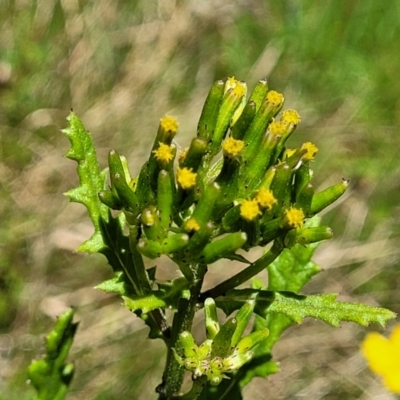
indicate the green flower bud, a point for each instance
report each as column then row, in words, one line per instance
column 144, row 190
column 211, row 319
column 191, row 158
column 302, row 177
column 269, row 230
column 153, row 249
column 209, row 115
column 198, row 240
column 314, row 235
column 280, row 185
column 231, row 101
column 151, row 223
column 256, row 165
column 110, row 199
column 259, row 93
column 223, row 247
column 205, row 207
column 325, row 198
column 231, row 221
column 125, row 193
column 240, row 127
column 304, row 199
column 254, row 135
column 165, row 199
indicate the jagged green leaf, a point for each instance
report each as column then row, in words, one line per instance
column 91, row 180
column 51, row 375
column 117, row 284
column 294, row 267
column 326, row 308
column 108, row 237
column 290, row 271
column 166, row 297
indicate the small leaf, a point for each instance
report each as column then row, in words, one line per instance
column 294, row 267
column 326, row 308
column 51, row 376
column 114, row 285
column 166, row 297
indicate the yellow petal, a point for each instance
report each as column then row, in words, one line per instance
column 378, row 352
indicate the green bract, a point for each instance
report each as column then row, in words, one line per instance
column 237, row 186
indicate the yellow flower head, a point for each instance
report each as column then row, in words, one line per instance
column 169, row 124
column 249, row 210
column 186, row 178
column 312, row 150
column 232, row 146
column 275, row 98
column 192, row 225
column 265, row 198
column 294, row 217
column 164, row 153
column 291, row 117
column 239, row 89
column 383, row 356
column 278, row 128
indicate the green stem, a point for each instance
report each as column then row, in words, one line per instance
column 157, row 315
column 173, row 373
column 246, row 274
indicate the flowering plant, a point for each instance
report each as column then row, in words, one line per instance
column 236, row 187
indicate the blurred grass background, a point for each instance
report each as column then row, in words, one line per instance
column 122, row 65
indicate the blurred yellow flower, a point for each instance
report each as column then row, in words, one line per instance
column 383, row 356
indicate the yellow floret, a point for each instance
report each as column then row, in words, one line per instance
column 275, row 98
column 249, row 210
column 278, row 128
column 186, row 178
column 192, row 225
column 169, row 123
column 265, row 198
column 294, row 217
column 240, row 89
column 291, row 117
column 164, row 153
column 232, row 146
column 311, row 148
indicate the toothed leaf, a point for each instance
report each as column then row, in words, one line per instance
column 326, row 308
column 166, row 297
column 91, row 180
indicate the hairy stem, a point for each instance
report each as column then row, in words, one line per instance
column 173, row 373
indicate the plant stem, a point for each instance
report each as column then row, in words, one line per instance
column 173, row 373
column 246, row 274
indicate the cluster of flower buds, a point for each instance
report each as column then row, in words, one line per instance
column 224, row 350
column 207, row 207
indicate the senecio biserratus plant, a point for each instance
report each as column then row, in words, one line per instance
column 237, row 186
